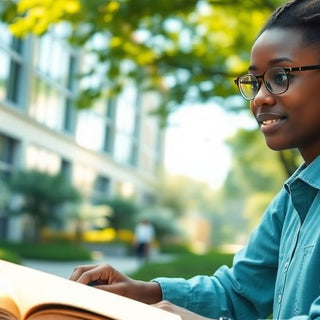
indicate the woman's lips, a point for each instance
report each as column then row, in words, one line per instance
column 270, row 122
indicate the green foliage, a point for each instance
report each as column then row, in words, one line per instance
column 185, row 196
column 175, row 249
column 9, row 255
column 4, row 195
column 255, row 177
column 182, row 194
column 43, row 195
column 198, row 45
column 256, row 203
column 124, row 212
column 185, row 266
column 254, row 164
column 163, row 221
column 50, row 252
column 290, row 160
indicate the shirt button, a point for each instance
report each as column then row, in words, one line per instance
column 279, row 298
column 286, row 266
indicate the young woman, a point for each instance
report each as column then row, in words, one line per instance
column 278, row 273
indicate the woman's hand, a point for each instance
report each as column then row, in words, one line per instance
column 107, row 278
column 183, row 313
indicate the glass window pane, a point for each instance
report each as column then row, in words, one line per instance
column 44, row 54
column 59, row 63
column 4, row 74
column 5, row 36
column 38, row 99
column 122, row 148
column 17, row 44
column 52, row 58
column 46, row 104
column 53, row 109
column 83, row 177
column 108, row 138
column 7, row 146
column 42, row 159
column 90, row 130
column 126, row 115
column 69, row 120
column 14, row 80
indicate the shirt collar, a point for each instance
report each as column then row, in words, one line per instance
column 310, row 174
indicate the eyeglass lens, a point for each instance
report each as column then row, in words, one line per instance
column 275, row 80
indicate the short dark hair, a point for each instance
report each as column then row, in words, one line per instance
column 304, row 15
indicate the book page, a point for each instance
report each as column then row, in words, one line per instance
column 8, row 306
column 38, row 289
column 63, row 313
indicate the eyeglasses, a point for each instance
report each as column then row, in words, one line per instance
column 276, row 80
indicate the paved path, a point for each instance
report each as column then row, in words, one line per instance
column 125, row 264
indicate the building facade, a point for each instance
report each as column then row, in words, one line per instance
column 111, row 148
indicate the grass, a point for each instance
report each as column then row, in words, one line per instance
column 8, row 255
column 48, row 251
column 185, row 265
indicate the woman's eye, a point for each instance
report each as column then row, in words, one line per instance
column 254, row 84
column 280, row 78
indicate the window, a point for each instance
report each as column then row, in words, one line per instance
column 39, row 158
column 8, row 153
column 46, row 103
column 11, row 62
column 90, row 130
column 83, row 177
column 66, row 169
column 110, row 128
column 52, row 81
column 127, row 127
column 70, row 113
column 101, row 187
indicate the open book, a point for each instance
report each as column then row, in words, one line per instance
column 29, row 294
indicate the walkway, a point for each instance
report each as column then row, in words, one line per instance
column 125, row 264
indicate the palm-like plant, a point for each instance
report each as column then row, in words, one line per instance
column 43, row 194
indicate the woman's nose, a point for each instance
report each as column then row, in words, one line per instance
column 263, row 97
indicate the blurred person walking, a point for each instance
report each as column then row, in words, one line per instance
column 143, row 236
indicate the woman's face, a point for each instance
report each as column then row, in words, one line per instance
column 291, row 119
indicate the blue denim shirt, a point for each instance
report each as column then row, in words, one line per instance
column 277, row 273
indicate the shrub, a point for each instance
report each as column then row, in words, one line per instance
column 9, row 256
column 185, row 266
column 53, row 252
column 175, row 248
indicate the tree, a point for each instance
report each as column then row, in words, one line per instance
column 187, row 49
column 165, row 223
column 181, row 194
column 124, row 213
column 43, row 194
column 255, row 177
column 186, row 199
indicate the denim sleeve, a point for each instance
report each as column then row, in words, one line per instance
column 201, row 294
column 244, row 291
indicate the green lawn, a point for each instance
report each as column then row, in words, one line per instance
column 48, row 251
column 185, row 266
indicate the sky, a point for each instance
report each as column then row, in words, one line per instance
column 195, row 142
